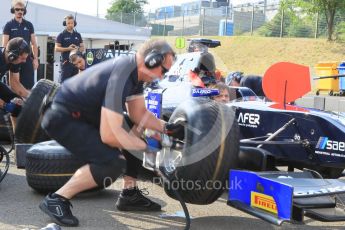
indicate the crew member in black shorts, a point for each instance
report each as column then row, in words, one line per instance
column 87, row 118
column 11, row 58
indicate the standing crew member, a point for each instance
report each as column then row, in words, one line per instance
column 66, row 41
column 19, row 27
column 87, row 118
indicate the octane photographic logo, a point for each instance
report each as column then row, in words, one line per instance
column 185, row 185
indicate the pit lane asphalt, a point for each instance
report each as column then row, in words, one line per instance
column 19, row 210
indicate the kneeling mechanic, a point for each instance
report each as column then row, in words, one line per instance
column 86, row 117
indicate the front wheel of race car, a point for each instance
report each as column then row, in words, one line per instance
column 199, row 170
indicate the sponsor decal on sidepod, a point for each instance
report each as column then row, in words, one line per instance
column 251, row 120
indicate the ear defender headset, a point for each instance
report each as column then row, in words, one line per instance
column 19, row 47
column 71, row 17
column 13, row 11
column 155, row 57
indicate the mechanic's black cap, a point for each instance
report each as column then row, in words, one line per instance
column 234, row 76
column 18, row 46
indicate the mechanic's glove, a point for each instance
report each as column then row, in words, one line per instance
column 152, row 139
column 153, row 145
column 175, row 130
column 12, row 108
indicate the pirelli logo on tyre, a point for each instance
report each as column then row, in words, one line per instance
column 264, row 202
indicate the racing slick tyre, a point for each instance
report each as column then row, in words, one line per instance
column 49, row 166
column 28, row 128
column 199, row 170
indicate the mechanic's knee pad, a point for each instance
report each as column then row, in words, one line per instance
column 107, row 173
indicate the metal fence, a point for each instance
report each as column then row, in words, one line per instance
column 250, row 20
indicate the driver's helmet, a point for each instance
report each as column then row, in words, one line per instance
column 234, row 76
column 206, row 63
column 206, row 68
column 197, row 47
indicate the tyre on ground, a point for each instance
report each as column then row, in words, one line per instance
column 49, row 166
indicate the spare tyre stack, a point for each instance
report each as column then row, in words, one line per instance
column 49, row 166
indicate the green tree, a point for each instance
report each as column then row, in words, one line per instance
column 273, row 27
column 329, row 8
column 295, row 24
column 127, row 11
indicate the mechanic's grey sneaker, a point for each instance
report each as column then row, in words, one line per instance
column 134, row 200
column 51, row 226
column 59, row 210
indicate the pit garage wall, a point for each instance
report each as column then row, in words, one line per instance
column 49, row 68
column 322, row 102
column 89, row 43
column 48, row 23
